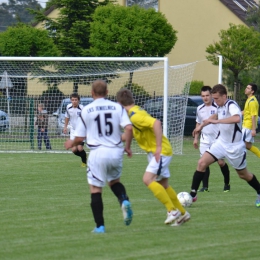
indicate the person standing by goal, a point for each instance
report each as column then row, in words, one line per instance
column 42, row 123
column 250, row 118
column 148, row 134
column 72, row 113
column 101, row 122
column 208, row 135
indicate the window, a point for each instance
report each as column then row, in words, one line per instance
column 143, row 3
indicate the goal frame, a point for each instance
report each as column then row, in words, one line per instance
column 157, row 59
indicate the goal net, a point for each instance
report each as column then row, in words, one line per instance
column 27, row 82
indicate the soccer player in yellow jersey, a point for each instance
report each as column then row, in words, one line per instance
column 148, row 133
column 250, row 118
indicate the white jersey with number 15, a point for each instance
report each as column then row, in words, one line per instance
column 102, row 122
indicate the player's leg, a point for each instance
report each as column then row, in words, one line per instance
column 206, row 159
column 252, row 181
column 46, row 139
column 96, row 177
column 253, row 149
column 185, row 215
column 249, row 140
column 97, row 208
column 114, row 162
column 39, row 138
column 205, row 181
column 226, row 174
column 172, row 194
column 153, row 171
column 82, row 154
column 237, row 158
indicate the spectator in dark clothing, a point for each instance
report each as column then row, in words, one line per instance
column 42, row 123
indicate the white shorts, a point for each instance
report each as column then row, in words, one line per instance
column 247, row 135
column 235, row 153
column 72, row 135
column 203, row 148
column 161, row 168
column 104, row 165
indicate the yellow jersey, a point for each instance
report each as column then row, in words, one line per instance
column 143, row 131
column 251, row 109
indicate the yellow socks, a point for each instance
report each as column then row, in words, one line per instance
column 255, row 150
column 173, row 196
column 160, row 193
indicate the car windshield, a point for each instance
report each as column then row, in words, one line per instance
column 153, row 105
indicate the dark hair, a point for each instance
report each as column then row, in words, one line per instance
column 206, row 88
column 99, row 87
column 219, row 88
column 253, row 87
column 125, row 97
column 75, row 95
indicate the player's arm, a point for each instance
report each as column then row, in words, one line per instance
column 253, row 131
column 211, row 120
column 128, row 136
column 196, row 137
column 157, row 129
column 229, row 120
column 66, row 125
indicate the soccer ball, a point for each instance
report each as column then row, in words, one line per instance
column 185, row 199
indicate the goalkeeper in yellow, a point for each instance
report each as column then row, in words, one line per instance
column 147, row 132
column 250, row 114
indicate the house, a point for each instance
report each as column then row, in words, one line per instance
column 198, row 23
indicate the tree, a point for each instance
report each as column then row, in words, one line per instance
column 120, row 31
column 23, row 40
column 240, row 48
column 17, row 11
column 70, row 30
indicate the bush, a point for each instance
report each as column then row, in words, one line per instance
column 139, row 93
column 195, row 87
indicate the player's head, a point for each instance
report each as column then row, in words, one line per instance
column 74, row 99
column 99, row 88
column 206, row 96
column 219, row 94
column 125, row 97
column 253, row 88
column 206, row 88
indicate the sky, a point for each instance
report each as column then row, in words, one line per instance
column 42, row 2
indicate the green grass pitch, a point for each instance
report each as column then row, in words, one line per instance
column 45, row 213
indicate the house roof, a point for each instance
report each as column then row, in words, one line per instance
column 240, row 7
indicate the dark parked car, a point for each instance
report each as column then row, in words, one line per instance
column 176, row 104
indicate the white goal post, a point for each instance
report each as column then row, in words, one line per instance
column 26, row 82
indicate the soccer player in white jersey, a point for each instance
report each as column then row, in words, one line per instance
column 250, row 118
column 229, row 144
column 148, row 134
column 208, row 135
column 101, row 122
column 72, row 113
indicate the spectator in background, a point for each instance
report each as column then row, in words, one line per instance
column 42, row 123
